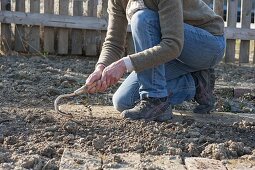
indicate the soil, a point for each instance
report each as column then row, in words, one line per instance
column 33, row 136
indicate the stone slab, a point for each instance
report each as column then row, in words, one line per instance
column 80, row 160
column 77, row 160
column 240, row 164
column 195, row 163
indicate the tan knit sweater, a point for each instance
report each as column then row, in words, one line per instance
column 172, row 15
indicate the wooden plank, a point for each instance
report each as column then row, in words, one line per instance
column 91, row 45
column 20, row 29
column 49, row 35
column 231, row 23
column 77, row 34
column 5, row 41
column 103, row 14
column 63, row 33
column 246, row 23
column 239, row 33
column 50, row 20
column 34, row 36
column 218, row 7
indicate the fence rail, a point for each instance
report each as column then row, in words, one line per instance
column 78, row 27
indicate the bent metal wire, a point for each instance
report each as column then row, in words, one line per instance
column 77, row 92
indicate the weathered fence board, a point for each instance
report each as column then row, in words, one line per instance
column 63, row 33
column 218, row 7
column 60, row 21
column 103, row 14
column 34, row 34
column 231, row 23
column 20, row 29
column 5, row 43
column 91, row 45
column 77, row 34
column 49, row 36
column 239, row 33
column 246, row 23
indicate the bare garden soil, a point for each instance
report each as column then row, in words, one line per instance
column 33, row 136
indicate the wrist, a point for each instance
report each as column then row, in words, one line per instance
column 128, row 64
column 100, row 67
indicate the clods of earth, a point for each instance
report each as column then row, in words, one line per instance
column 33, row 136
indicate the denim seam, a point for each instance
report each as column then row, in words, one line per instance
column 132, row 96
column 221, row 50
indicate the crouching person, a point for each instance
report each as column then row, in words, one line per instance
column 177, row 45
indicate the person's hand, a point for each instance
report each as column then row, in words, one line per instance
column 93, row 82
column 112, row 73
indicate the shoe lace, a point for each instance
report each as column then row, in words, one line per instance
column 144, row 104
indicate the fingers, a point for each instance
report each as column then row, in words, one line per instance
column 105, row 77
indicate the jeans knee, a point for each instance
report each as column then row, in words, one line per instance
column 141, row 18
column 117, row 103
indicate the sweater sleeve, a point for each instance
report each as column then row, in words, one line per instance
column 113, row 46
column 172, row 30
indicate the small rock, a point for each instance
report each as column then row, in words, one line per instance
column 193, row 150
column 31, row 118
column 60, row 151
column 52, row 128
column 111, row 166
column 10, row 140
column 237, row 147
column 79, row 161
column 247, row 150
column 51, row 164
column 47, row 119
column 71, row 127
column 117, row 158
column 216, row 151
column 174, row 151
column 48, row 134
column 98, row 143
column 193, row 134
column 90, row 152
column 1, row 138
column 116, row 149
column 52, row 91
column 251, row 157
column 28, row 163
column 48, row 151
column 66, row 84
column 3, row 157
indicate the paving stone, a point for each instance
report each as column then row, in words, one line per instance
column 195, row 163
column 239, row 92
column 162, row 162
column 250, row 117
column 78, row 160
column 240, row 164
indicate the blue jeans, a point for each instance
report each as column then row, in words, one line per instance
column 201, row 50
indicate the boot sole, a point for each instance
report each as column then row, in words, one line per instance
column 203, row 109
column 164, row 117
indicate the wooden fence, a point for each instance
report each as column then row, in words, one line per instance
column 78, row 27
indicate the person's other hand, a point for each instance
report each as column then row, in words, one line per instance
column 112, row 73
column 92, row 82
